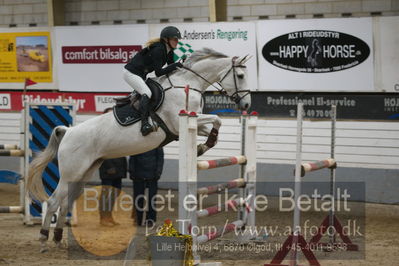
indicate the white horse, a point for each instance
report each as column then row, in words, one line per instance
column 81, row 149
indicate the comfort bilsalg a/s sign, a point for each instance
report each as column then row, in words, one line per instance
column 315, row 51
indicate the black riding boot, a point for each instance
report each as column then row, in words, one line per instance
column 146, row 128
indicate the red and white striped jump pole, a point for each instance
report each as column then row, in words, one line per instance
column 209, row 164
column 314, row 166
column 235, row 183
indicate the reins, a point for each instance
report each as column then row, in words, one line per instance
column 180, row 87
column 183, row 87
column 235, row 96
column 204, row 79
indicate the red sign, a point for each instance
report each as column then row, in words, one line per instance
column 99, row 54
column 85, row 102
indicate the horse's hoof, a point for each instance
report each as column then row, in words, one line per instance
column 44, row 249
column 43, row 245
column 60, row 245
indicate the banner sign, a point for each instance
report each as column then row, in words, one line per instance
column 85, row 102
column 382, row 106
column 317, row 105
column 330, row 55
column 292, row 51
column 92, row 58
column 25, row 55
column 386, row 35
column 99, row 54
column 232, row 39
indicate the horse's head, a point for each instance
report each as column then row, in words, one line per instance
column 211, row 66
column 234, row 82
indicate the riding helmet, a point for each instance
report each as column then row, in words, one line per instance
column 170, row 32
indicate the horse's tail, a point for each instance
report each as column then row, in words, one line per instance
column 37, row 166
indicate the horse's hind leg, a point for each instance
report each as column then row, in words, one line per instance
column 52, row 206
column 57, row 198
column 65, row 206
column 58, row 230
column 73, row 191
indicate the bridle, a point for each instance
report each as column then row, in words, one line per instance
column 235, row 96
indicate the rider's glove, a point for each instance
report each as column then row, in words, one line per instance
column 183, row 58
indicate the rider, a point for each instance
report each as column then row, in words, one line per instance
column 153, row 57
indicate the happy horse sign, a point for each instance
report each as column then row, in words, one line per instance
column 330, row 55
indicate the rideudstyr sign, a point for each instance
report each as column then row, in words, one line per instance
column 85, row 102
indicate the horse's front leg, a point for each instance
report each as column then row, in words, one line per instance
column 204, row 130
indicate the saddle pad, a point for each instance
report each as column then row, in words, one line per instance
column 127, row 114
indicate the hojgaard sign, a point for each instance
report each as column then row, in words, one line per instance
column 315, row 51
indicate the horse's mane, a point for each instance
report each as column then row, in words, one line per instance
column 201, row 54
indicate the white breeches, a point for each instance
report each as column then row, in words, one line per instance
column 137, row 83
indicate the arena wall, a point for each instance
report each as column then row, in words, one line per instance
column 22, row 13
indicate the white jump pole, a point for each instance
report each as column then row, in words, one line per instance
column 332, row 174
column 188, row 176
column 297, row 214
column 248, row 149
column 24, row 164
column 241, row 192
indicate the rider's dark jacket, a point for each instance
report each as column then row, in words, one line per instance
column 152, row 58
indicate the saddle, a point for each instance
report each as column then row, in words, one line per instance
column 126, row 109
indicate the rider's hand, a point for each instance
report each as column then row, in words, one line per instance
column 183, row 58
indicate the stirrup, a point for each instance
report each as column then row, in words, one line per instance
column 146, row 129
